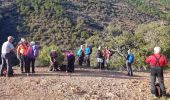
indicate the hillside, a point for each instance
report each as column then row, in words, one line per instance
column 118, row 24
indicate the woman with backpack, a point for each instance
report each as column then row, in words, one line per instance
column 129, row 61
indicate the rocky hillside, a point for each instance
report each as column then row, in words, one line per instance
column 118, row 24
column 51, row 22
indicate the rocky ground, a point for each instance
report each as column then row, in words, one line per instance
column 84, row 84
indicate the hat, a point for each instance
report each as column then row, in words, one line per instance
column 157, row 50
column 32, row 43
column 23, row 40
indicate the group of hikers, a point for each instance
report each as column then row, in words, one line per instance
column 28, row 52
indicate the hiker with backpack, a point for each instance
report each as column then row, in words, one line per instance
column 53, row 61
column 157, row 62
column 21, row 53
column 99, row 57
column 6, row 52
column 81, row 54
column 32, row 53
column 88, row 51
column 129, row 61
column 70, row 62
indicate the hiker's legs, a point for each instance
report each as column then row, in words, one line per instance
column 153, row 80
column 51, row 66
column 9, row 64
column 27, row 65
column 21, row 60
column 88, row 60
column 2, row 65
column 33, row 65
column 56, row 65
column 80, row 61
column 107, row 63
column 130, row 70
column 161, row 80
column 72, row 67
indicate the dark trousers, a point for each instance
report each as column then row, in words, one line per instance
column 22, row 62
column 157, row 72
column 6, row 63
column 81, row 59
column 31, row 63
column 27, row 64
column 129, row 68
column 88, row 60
column 70, row 67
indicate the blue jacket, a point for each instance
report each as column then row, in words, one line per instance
column 131, row 58
column 87, row 51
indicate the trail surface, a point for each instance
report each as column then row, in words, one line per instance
column 84, row 84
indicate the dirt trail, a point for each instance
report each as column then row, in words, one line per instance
column 84, row 84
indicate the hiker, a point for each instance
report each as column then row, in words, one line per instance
column 129, row 61
column 21, row 53
column 53, row 61
column 99, row 57
column 81, row 54
column 70, row 62
column 6, row 52
column 32, row 53
column 107, row 55
column 157, row 62
column 88, row 52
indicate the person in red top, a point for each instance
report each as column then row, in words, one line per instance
column 157, row 62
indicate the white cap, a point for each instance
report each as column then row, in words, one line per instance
column 157, row 50
column 81, row 46
column 32, row 43
column 23, row 40
column 99, row 48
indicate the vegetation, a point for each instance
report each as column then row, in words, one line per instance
column 66, row 24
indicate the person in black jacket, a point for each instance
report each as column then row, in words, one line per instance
column 99, row 57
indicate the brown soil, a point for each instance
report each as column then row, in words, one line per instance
column 84, row 84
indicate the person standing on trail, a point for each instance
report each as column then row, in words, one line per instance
column 21, row 53
column 6, row 52
column 81, row 54
column 157, row 62
column 70, row 62
column 99, row 57
column 88, row 52
column 53, row 61
column 129, row 61
column 32, row 53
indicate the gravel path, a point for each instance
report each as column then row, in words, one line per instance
column 84, row 84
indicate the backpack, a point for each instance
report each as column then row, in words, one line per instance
column 30, row 52
column 36, row 50
column 90, row 50
column 71, row 57
column 79, row 53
